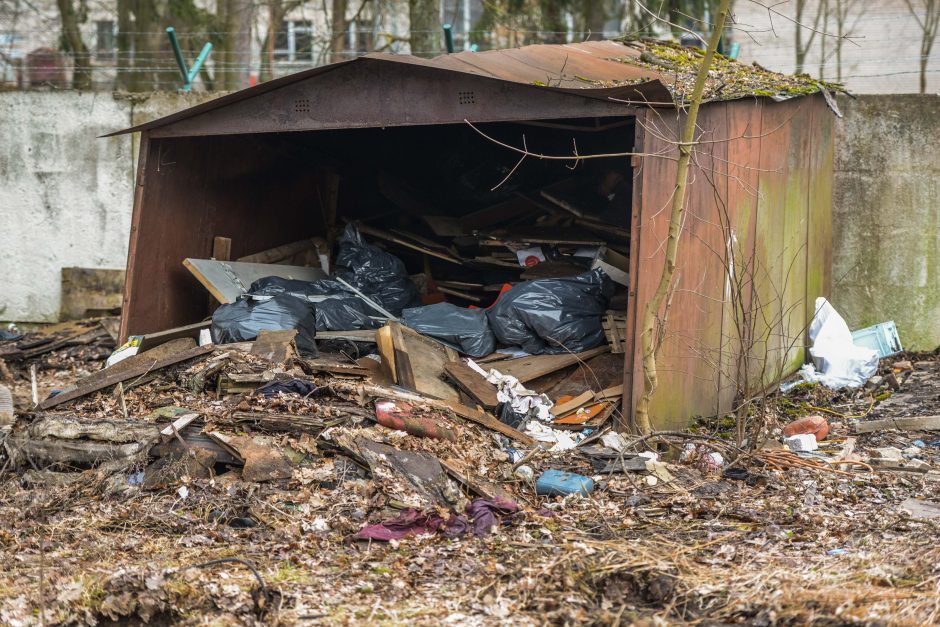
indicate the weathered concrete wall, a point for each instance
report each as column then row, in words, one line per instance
column 886, row 214
column 65, row 196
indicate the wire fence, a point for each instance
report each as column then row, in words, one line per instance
column 33, row 57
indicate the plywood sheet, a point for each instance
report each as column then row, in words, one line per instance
column 227, row 280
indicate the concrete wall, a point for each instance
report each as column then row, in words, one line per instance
column 886, row 215
column 65, row 196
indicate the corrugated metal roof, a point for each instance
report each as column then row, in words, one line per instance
column 593, row 69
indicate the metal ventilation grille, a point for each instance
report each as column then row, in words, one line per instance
column 302, row 105
column 466, row 97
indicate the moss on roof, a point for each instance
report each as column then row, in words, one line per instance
column 728, row 79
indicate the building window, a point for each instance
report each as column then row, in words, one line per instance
column 104, row 43
column 294, row 41
column 359, row 36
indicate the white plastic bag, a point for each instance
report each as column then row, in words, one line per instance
column 838, row 361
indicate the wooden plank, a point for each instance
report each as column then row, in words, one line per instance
column 573, row 404
column 89, row 292
column 535, row 366
column 151, row 356
column 419, row 363
column 614, row 392
column 472, row 481
column 227, row 280
column 280, row 253
column 178, row 425
column 131, row 373
column 396, row 239
column 152, row 340
column 489, row 421
column 275, row 346
column 383, row 340
column 911, row 423
column 222, row 248
column 356, row 335
column 406, row 376
column 475, row 386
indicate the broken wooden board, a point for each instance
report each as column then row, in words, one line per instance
column 489, row 421
column 263, row 460
column 138, row 370
column 227, row 280
column 334, row 367
column 411, row 242
column 54, row 337
column 88, row 292
column 285, row 423
column 540, row 235
column 458, row 470
column 581, row 418
column 275, row 346
column 357, row 335
column 908, row 423
column 615, row 329
column 422, row 471
column 418, row 361
column 152, row 340
column 151, row 356
column 179, row 464
column 535, row 366
column 471, row 383
column 572, row 404
column 66, row 440
column 284, row 252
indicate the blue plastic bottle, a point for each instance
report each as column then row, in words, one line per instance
column 557, row 483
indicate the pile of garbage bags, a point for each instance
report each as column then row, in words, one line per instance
column 544, row 316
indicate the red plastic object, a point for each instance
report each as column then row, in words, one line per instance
column 397, row 415
column 817, row 425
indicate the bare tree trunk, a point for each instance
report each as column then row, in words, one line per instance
column 238, row 20
column 425, row 20
column 338, row 31
column 552, row 24
column 123, row 41
column 802, row 48
column 72, row 37
column 653, row 306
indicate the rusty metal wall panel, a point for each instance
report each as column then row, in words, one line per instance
column 744, row 142
column 199, row 188
column 819, row 206
column 780, row 254
column 377, row 94
column 766, row 162
column 688, row 362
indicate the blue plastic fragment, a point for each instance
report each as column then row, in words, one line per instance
column 919, row 443
column 557, row 483
column 837, row 551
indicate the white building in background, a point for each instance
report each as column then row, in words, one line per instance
column 882, row 55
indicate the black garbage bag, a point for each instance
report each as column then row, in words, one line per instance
column 338, row 309
column 243, row 320
column 466, row 328
column 379, row 275
column 553, row 315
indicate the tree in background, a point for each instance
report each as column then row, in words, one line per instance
column 927, row 15
column 803, row 41
column 72, row 18
column 424, row 16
